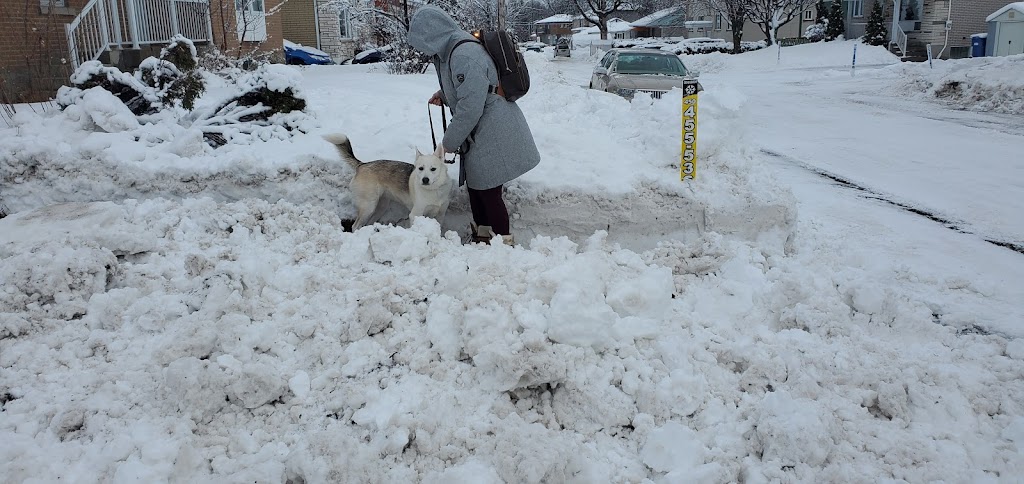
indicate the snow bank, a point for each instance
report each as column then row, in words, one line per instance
column 623, row 178
column 201, row 341
column 989, row 84
column 838, row 53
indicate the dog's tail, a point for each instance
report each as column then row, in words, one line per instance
column 344, row 146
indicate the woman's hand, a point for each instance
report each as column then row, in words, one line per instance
column 436, row 99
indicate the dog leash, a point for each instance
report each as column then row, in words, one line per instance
column 444, row 127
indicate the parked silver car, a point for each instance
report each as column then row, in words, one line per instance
column 628, row 71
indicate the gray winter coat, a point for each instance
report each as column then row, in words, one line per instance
column 495, row 139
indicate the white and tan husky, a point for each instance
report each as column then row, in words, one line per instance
column 423, row 187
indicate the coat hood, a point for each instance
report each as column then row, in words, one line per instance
column 432, row 31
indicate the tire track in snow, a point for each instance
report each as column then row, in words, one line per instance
column 873, row 195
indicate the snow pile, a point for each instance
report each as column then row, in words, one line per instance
column 234, row 332
column 838, row 53
column 255, row 341
column 681, row 46
column 991, row 84
column 166, row 95
column 625, row 178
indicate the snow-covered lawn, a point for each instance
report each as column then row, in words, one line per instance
column 200, row 315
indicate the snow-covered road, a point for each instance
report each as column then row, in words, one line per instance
column 955, row 164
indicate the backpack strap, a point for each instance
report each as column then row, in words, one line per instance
column 490, row 89
column 450, row 52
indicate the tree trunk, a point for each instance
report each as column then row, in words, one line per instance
column 766, row 28
column 737, row 35
column 603, row 25
column 501, row 15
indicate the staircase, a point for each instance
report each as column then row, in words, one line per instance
column 116, row 31
column 901, row 44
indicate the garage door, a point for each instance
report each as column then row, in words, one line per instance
column 1011, row 38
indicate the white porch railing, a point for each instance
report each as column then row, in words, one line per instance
column 115, row 24
column 898, row 36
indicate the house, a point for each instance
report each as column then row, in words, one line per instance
column 794, row 29
column 43, row 41
column 1006, row 31
column 947, row 25
column 617, row 29
column 338, row 30
column 550, row 29
column 683, row 21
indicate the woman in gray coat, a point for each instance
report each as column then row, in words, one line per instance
column 490, row 133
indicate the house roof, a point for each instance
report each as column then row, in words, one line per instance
column 667, row 17
column 1018, row 6
column 614, row 25
column 562, row 18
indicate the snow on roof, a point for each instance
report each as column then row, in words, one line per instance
column 666, row 17
column 619, row 25
column 1018, row 6
column 562, row 18
column 614, row 25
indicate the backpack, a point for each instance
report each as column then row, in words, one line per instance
column 513, row 77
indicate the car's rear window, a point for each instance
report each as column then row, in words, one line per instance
column 638, row 63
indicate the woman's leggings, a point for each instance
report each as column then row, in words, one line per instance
column 489, row 209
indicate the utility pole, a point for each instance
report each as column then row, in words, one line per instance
column 501, row 15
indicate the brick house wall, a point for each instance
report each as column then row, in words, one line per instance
column 968, row 18
column 338, row 32
column 299, row 22
column 33, row 48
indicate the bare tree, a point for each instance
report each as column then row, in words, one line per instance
column 769, row 15
column 597, row 12
column 734, row 12
column 483, row 14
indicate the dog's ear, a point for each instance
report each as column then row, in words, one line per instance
column 418, row 154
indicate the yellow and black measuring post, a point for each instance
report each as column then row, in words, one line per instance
column 688, row 167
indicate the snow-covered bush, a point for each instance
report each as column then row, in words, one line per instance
column 875, row 32
column 136, row 95
column 229, row 67
column 174, row 74
column 405, row 60
column 688, row 47
column 268, row 104
column 264, row 103
column 816, row 32
column 836, row 27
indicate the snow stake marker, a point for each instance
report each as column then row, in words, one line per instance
column 688, row 167
column 853, row 67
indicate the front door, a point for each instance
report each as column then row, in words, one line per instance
column 251, row 19
column 1011, row 38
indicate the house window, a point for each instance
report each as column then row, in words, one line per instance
column 344, row 24
column 808, row 14
column 718, row 21
column 53, row 3
column 857, row 8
